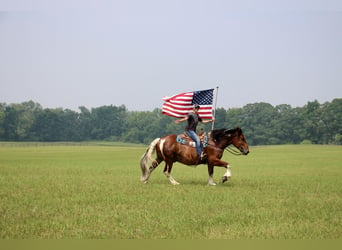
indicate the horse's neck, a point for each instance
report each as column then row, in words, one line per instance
column 222, row 144
column 225, row 143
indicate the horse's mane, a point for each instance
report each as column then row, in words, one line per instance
column 217, row 134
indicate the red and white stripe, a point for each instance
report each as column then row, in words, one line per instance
column 180, row 105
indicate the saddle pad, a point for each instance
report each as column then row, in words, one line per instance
column 188, row 141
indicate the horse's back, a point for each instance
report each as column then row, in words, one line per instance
column 169, row 137
column 173, row 151
column 168, row 140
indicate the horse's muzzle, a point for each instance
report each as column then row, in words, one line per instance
column 244, row 151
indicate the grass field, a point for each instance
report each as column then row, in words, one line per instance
column 93, row 191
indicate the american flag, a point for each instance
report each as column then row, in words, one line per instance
column 182, row 104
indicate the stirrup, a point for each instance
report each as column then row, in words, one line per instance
column 203, row 156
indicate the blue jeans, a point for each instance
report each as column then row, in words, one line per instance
column 194, row 136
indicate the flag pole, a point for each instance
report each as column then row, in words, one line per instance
column 216, row 94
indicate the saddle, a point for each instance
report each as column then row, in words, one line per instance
column 186, row 140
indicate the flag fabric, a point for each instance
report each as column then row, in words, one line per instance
column 182, row 104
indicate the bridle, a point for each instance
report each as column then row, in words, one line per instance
column 233, row 150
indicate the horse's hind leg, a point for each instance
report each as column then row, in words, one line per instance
column 146, row 175
column 211, row 175
column 167, row 172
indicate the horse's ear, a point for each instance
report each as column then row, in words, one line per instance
column 228, row 132
column 239, row 130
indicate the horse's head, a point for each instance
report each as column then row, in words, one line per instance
column 238, row 140
column 225, row 137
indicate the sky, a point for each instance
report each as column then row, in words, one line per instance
column 93, row 53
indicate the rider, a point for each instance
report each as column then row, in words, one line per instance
column 193, row 118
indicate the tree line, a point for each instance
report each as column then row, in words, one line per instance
column 262, row 123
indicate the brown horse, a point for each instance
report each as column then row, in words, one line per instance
column 169, row 150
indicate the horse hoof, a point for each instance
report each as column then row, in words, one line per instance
column 212, row 184
column 225, row 178
column 143, row 180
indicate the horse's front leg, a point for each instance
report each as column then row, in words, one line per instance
column 218, row 163
column 227, row 175
column 167, row 172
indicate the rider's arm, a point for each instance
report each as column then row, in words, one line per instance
column 181, row 120
column 207, row 121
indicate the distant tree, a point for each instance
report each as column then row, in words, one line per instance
column 287, row 125
column 144, row 126
column 70, row 130
column 261, row 122
column 19, row 118
column 221, row 119
column 49, row 125
column 108, row 122
column 331, row 122
column 2, row 120
column 311, row 118
column 85, row 123
column 258, row 120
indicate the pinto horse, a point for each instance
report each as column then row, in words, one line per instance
column 169, row 150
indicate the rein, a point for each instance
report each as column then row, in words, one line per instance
column 232, row 150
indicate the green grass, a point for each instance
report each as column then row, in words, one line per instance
column 93, row 191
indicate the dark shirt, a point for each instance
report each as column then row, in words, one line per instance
column 193, row 120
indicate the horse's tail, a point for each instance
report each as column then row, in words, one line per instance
column 146, row 160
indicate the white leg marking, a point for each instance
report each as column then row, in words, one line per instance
column 228, row 173
column 173, row 181
column 211, row 181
